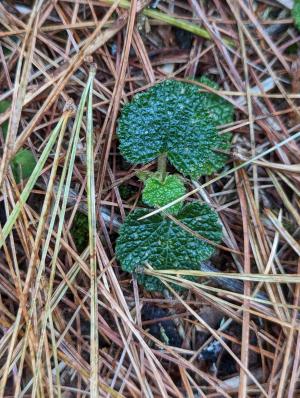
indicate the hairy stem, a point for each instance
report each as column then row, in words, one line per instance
column 162, row 165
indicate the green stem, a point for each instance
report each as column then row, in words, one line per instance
column 162, row 165
column 179, row 23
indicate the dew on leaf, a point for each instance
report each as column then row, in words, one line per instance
column 182, row 108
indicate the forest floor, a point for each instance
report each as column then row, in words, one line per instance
column 76, row 325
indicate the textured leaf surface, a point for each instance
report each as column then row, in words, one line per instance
column 220, row 110
column 164, row 244
column 173, row 117
column 158, row 193
column 23, row 165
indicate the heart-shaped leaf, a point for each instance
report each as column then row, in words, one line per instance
column 173, row 117
column 166, row 245
column 158, row 193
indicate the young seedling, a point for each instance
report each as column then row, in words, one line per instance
column 172, row 121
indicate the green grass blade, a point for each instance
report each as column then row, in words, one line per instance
column 69, row 165
column 30, row 183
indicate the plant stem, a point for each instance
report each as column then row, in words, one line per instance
column 162, row 165
column 179, row 23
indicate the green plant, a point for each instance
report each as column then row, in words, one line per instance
column 80, row 231
column 296, row 13
column 173, row 118
column 23, row 163
column 174, row 121
column 158, row 192
column 4, row 105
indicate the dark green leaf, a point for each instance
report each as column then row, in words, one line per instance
column 80, row 231
column 174, row 118
column 219, row 109
column 164, row 244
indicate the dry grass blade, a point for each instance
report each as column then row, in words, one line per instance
column 72, row 322
column 247, row 269
column 225, row 174
column 92, row 240
column 35, row 255
column 59, row 81
column 32, row 180
column 270, row 278
column 171, row 20
column 22, row 76
column 249, row 374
